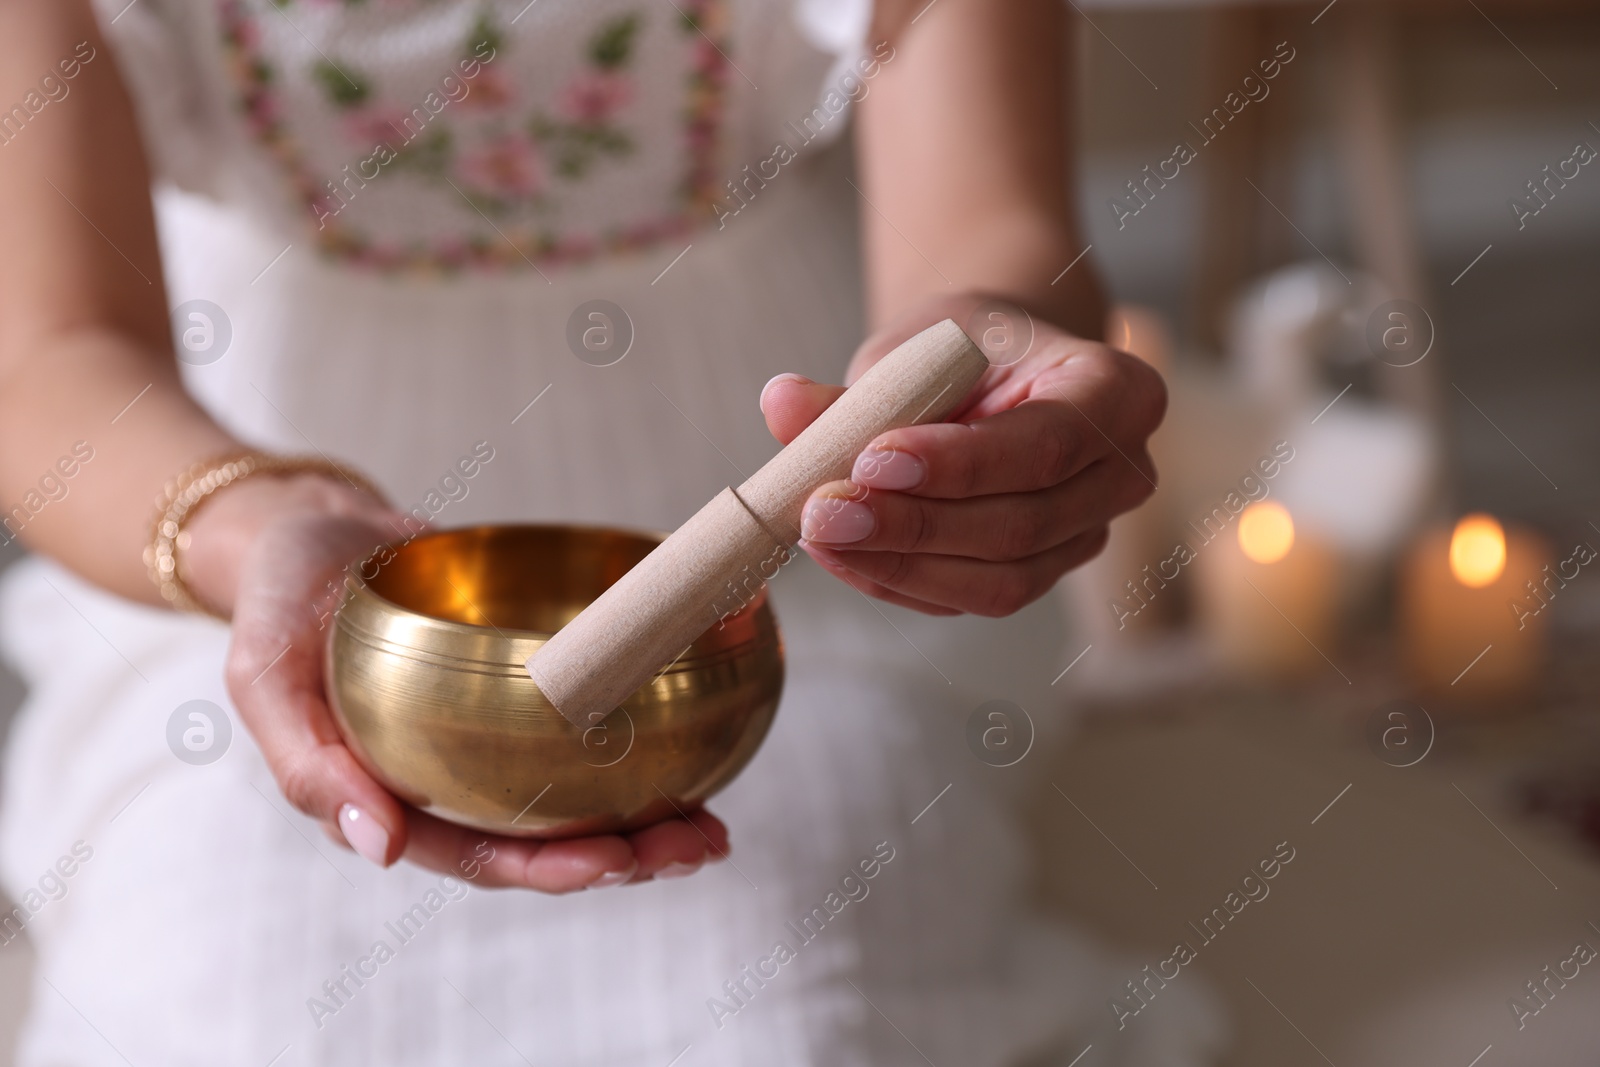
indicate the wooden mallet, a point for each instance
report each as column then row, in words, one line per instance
column 703, row 571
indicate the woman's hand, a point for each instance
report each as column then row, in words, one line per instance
column 985, row 512
column 274, row 552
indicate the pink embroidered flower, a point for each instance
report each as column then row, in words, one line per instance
column 360, row 254
column 453, row 252
column 324, row 207
column 580, row 246
column 506, row 167
column 244, row 30
column 491, row 89
column 709, row 60
column 387, row 255
column 374, row 124
column 593, row 96
column 261, row 113
column 701, row 137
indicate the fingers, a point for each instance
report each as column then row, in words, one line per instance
column 1034, row 445
column 510, row 862
column 309, row 761
column 1028, row 432
column 1003, row 527
column 956, row 583
column 831, row 562
column 791, row 403
column 275, row 675
column 1033, row 425
column 984, row 514
column 679, row 847
column 668, row 849
column 322, row 779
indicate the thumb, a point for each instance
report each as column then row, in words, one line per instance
column 791, row 403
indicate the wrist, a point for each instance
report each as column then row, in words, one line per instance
column 1079, row 310
column 1018, row 264
column 217, row 538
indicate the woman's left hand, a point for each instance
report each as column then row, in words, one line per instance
column 985, row 512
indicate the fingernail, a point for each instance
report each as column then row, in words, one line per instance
column 611, row 878
column 834, row 520
column 821, row 553
column 677, row 870
column 786, row 376
column 365, row 834
column 889, row 468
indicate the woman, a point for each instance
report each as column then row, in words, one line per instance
column 381, row 221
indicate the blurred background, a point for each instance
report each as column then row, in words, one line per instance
column 1375, row 201
column 1360, row 613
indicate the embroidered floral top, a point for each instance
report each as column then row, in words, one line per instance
column 439, row 135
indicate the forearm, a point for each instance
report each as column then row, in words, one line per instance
column 91, row 428
column 965, row 162
column 1020, row 258
column 94, row 420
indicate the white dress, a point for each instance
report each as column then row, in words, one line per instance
column 569, row 152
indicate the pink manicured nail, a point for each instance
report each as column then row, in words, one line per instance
column 611, row 878
column 677, row 870
column 888, row 468
column 365, row 834
column 834, row 520
column 786, row 376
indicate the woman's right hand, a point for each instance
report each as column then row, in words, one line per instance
column 273, row 552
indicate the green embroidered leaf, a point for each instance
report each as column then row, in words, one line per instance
column 485, row 37
column 612, row 46
column 488, row 205
column 430, row 154
column 344, row 87
column 615, row 141
column 573, row 165
column 688, row 21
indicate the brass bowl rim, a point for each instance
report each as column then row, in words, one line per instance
column 512, row 635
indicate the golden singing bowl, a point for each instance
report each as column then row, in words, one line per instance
column 426, row 678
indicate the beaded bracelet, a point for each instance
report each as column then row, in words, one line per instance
column 184, row 495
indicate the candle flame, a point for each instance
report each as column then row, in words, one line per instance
column 1266, row 532
column 1477, row 551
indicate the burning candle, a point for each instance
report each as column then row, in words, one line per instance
column 1267, row 595
column 1143, row 332
column 1460, row 590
